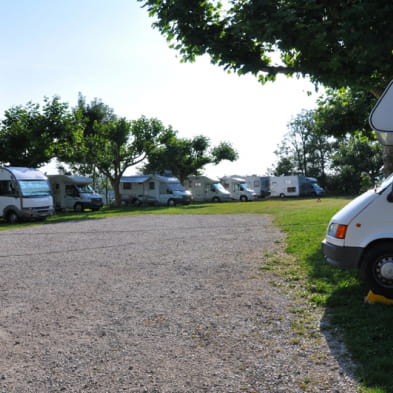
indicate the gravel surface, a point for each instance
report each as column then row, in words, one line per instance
column 157, row 304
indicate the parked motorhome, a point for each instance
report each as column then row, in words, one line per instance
column 74, row 192
column 238, row 188
column 153, row 189
column 207, row 189
column 24, row 194
column 294, row 186
column 260, row 184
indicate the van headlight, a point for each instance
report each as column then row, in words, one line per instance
column 337, row 230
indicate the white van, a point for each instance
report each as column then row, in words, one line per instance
column 207, row 189
column 238, row 188
column 24, row 194
column 153, row 189
column 74, row 192
column 360, row 236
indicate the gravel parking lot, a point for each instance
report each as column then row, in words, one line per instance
column 155, row 304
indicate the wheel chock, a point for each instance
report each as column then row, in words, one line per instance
column 374, row 298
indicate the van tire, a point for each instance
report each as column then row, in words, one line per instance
column 282, row 195
column 12, row 217
column 243, row 198
column 78, row 207
column 216, row 199
column 171, row 202
column 377, row 269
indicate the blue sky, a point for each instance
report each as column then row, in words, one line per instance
column 108, row 49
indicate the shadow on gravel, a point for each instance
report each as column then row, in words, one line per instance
column 364, row 330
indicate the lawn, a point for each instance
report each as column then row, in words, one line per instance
column 338, row 293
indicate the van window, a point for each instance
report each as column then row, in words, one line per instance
column 152, row 185
column 127, row 186
column 7, row 188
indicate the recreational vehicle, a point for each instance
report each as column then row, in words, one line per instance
column 24, row 194
column 74, row 192
column 153, row 189
column 238, row 188
column 260, row 184
column 293, row 186
column 207, row 189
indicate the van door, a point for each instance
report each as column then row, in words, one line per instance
column 71, row 196
column 9, row 196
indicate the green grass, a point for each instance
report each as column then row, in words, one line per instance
column 340, row 294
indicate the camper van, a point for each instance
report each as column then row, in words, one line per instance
column 24, row 195
column 294, row 186
column 238, row 188
column 74, row 192
column 360, row 235
column 207, row 189
column 260, row 184
column 153, row 189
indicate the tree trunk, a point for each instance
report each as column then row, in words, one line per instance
column 116, row 189
column 387, row 160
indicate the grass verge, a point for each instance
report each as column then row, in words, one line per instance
column 364, row 328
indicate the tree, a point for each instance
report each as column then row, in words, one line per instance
column 305, row 150
column 337, row 44
column 29, row 135
column 355, row 161
column 184, row 157
column 104, row 144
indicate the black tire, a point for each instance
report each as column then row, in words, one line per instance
column 282, row 195
column 216, row 199
column 78, row 207
column 12, row 217
column 171, row 202
column 243, row 198
column 136, row 202
column 377, row 269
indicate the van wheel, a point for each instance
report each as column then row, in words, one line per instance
column 216, row 199
column 282, row 195
column 136, row 202
column 12, row 218
column 243, row 198
column 171, row 202
column 78, row 207
column 377, row 269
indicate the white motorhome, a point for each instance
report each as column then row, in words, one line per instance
column 153, row 189
column 260, row 184
column 294, row 186
column 74, row 192
column 24, row 194
column 360, row 235
column 238, row 188
column 207, row 189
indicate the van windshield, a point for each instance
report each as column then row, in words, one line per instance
column 176, row 187
column 85, row 189
column 34, row 188
column 219, row 187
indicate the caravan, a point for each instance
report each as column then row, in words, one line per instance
column 238, row 188
column 294, row 186
column 207, row 189
column 74, row 192
column 24, row 194
column 153, row 189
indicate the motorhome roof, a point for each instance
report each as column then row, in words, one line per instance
column 71, row 179
column 22, row 173
column 145, row 178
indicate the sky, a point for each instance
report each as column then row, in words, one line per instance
column 108, row 50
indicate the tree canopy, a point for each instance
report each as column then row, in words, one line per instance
column 184, row 157
column 335, row 43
